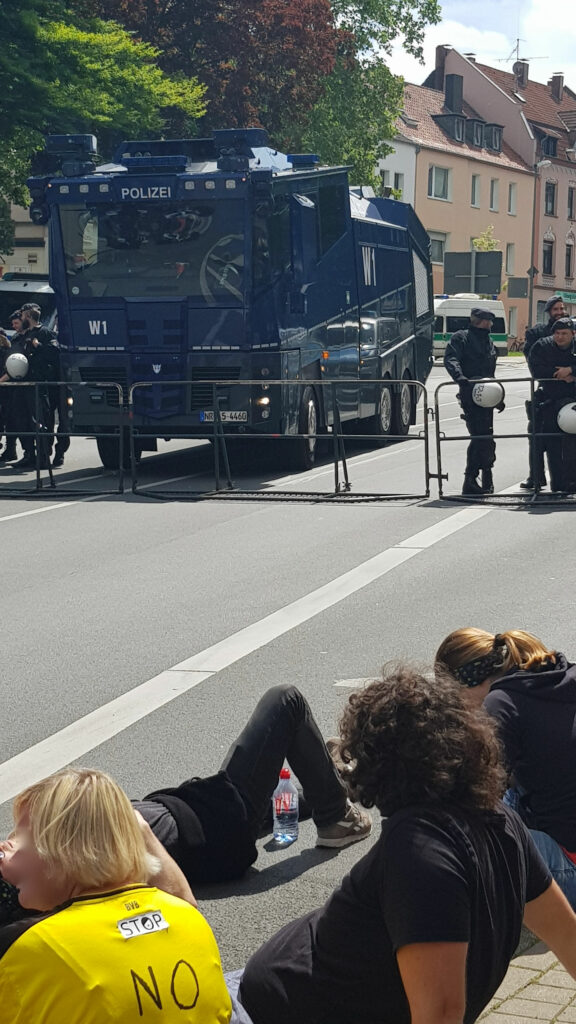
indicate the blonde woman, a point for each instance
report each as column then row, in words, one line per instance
column 108, row 945
column 530, row 690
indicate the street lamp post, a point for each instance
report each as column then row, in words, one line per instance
column 537, row 167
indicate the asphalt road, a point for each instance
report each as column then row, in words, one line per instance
column 139, row 633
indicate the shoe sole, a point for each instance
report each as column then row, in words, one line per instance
column 336, row 844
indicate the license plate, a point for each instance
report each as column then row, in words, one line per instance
column 226, row 415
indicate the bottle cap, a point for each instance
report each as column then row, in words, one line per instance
column 285, row 773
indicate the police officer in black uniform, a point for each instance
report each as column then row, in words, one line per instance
column 39, row 345
column 555, row 308
column 471, row 355
column 552, row 361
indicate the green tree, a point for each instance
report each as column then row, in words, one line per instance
column 59, row 75
column 486, row 241
column 6, row 228
column 355, row 116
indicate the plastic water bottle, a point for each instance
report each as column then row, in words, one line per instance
column 285, row 810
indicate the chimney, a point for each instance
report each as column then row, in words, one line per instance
column 521, row 69
column 471, row 57
column 453, row 93
column 441, row 54
column 556, row 85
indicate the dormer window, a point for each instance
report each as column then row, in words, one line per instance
column 548, row 145
column 493, row 137
column 452, row 125
column 475, row 131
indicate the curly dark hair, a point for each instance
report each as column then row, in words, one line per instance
column 414, row 740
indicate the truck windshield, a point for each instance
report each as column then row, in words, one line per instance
column 130, row 250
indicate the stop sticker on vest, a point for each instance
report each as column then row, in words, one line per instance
column 142, row 924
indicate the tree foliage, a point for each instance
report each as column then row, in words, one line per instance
column 263, row 62
column 59, row 75
column 486, row 241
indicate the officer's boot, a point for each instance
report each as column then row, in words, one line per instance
column 471, row 485
column 487, row 482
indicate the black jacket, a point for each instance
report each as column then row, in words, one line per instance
column 534, row 334
column 470, row 354
column 545, row 356
column 536, row 714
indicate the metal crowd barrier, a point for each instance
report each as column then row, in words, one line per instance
column 223, row 433
column 45, row 481
column 534, row 497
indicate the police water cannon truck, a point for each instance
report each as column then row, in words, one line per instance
column 187, row 262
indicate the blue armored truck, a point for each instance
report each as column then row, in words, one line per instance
column 188, row 262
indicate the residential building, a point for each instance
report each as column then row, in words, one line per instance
column 30, row 253
column 539, row 122
column 463, row 177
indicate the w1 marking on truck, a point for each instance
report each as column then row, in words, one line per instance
column 95, row 326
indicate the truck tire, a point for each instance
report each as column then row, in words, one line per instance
column 304, row 449
column 402, row 409
column 109, row 452
column 381, row 424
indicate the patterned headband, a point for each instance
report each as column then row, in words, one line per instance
column 475, row 672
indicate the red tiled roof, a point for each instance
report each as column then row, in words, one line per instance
column 421, row 103
column 539, row 106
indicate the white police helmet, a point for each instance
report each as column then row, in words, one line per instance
column 16, row 365
column 567, row 418
column 488, row 393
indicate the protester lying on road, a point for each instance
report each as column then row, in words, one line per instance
column 531, row 692
column 423, row 928
column 210, row 826
column 108, row 945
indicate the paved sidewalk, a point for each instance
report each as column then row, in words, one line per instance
column 536, row 988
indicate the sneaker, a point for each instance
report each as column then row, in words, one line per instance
column 354, row 826
column 57, row 461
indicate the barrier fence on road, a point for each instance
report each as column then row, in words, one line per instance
column 38, row 401
column 230, row 429
column 534, row 436
column 227, row 429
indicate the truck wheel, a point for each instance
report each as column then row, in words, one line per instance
column 402, row 410
column 381, row 424
column 109, row 452
column 303, row 455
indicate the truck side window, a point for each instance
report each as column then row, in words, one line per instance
column 332, row 209
column 271, row 241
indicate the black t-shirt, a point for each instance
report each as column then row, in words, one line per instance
column 433, row 876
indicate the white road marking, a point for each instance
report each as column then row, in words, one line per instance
column 354, row 684
column 102, row 724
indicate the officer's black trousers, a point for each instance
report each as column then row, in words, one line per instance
column 482, row 448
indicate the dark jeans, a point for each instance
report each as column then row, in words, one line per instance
column 282, row 727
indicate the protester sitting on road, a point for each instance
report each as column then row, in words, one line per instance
column 79, row 856
column 210, row 826
column 423, row 928
column 530, row 690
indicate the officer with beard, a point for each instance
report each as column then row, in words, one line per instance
column 552, row 362
column 555, row 308
column 470, row 355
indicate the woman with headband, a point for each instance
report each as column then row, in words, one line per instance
column 531, row 691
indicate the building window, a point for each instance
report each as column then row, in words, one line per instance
column 548, row 146
column 510, row 253
column 398, row 182
column 512, row 198
column 494, row 194
column 478, row 133
column 513, row 321
column 569, row 260
column 571, row 203
column 385, row 175
column 475, row 190
column 437, row 246
column 459, row 129
column 550, row 199
column 439, row 183
column 493, row 137
column 548, row 258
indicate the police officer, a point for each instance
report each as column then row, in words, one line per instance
column 57, row 396
column 555, row 308
column 40, row 348
column 471, row 355
column 552, row 361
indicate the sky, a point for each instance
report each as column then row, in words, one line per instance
column 490, row 28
